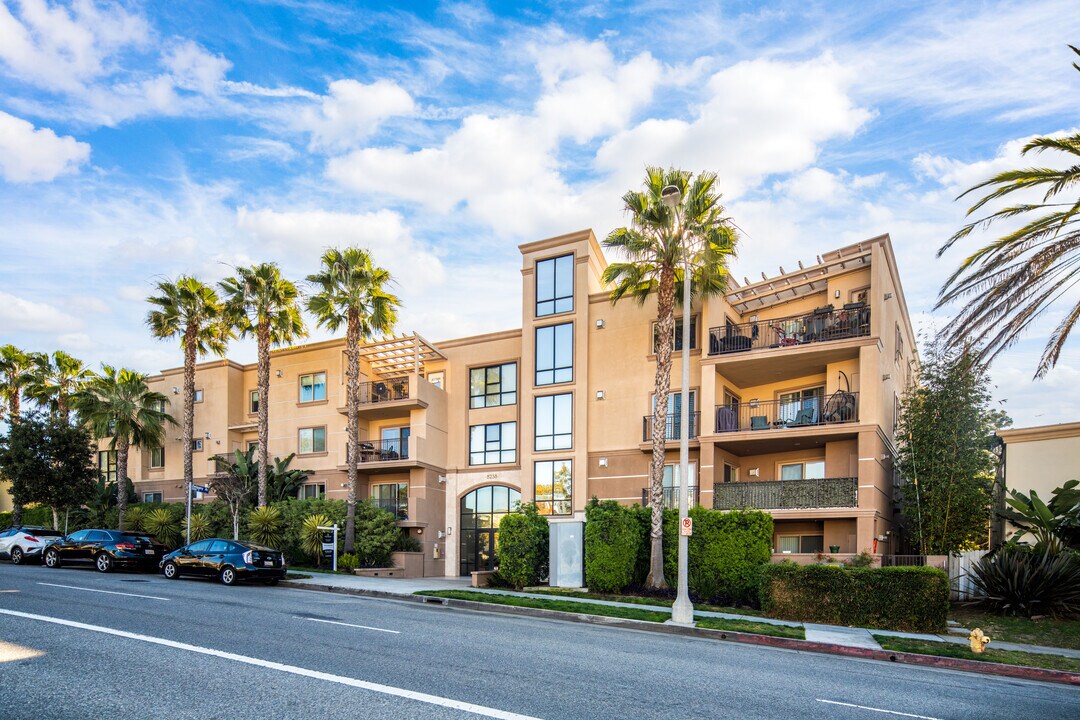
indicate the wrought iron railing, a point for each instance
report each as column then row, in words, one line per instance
column 383, row 450
column 787, row 494
column 671, row 497
column 839, row 407
column 399, row 506
column 821, row 325
column 672, row 426
column 384, row 390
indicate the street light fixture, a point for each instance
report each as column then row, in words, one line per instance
column 682, row 612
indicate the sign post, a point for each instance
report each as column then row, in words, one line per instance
column 686, row 527
column 192, row 488
column 329, row 543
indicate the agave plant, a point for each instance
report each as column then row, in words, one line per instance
column 133, row 519
column 265, row 526
column 199, row 526
column 311, row 535
column 1018, row 580
column 161, row 523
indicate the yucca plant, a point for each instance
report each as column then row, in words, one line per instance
column 199, row 526
column 1018, row 580
column 133, row 520
column 311, row 535
column 265, row 526
column 161, row 523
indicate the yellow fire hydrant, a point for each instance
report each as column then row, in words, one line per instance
column 978, row 640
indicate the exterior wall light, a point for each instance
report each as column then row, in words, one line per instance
column 888, row 296
column 600, row 324
column 280, row 373
column 602, row 462
column 600, row 395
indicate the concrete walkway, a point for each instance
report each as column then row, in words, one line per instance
column 834, row 634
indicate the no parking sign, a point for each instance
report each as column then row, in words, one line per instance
column 686, row 526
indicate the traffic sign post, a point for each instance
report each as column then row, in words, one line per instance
column 329, row 542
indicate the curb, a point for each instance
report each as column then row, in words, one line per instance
column 976, row 666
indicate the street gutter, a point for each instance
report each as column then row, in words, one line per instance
column 984, row 668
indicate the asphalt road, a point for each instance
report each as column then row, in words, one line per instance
column 197, row 649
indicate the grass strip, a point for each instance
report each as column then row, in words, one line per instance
column 749, row 626
column 636, row 600
column 560, row 605
column 297, row 576
column 992, row 655
column 1050, row 631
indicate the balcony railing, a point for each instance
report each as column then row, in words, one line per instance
column 383, row 450
column 399, row 506
column 384, row 390
column 671, row 497
column 821, row 325
column 787, row 494
column 838, row 408
column 673, row 426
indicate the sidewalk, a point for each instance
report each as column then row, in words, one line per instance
column 830, row 634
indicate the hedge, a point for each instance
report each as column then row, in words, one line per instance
column 613, row 538
column 911, row 599
column 522, row 550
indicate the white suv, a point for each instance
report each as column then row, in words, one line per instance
column 26, row 543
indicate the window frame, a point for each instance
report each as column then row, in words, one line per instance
column 303, row 494
column 110, row 471
column 487, row 393
column 401, row 511
column 197, row 445
column 197, row 395
column 300, row 440
column 558, row 303
column 253, row 402
column 802, row 473
column 554, row 370
column 550, row 503
column 676, row 331
column 300, row 387
column 555, row 437
column 153, row 497
column 501, row 451
column 161, row 465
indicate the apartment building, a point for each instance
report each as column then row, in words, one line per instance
column 1039, row 459
column 793, row 392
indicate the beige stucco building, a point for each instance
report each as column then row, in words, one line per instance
column 1040, row 458
column 794, row 386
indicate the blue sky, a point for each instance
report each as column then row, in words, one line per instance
column 141, row 140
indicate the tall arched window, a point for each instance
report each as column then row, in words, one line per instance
column 481, row 511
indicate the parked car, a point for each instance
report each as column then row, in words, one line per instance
column 227, row 560
column 106, row 549
column 25, row 542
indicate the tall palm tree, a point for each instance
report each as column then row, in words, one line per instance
column 655, row 245
column 15, row 367
column 260, row 302
column 55, row 380
column 1012, row 281
column 119, row 404
column 190, row 310
column 350, row 290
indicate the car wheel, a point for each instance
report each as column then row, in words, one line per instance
column 52, row 558
column 272, row 581
column 103, row 562
column 228, row 575
column 170, row 570
column 16, row 556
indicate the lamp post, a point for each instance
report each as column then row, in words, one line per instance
column 682, row 612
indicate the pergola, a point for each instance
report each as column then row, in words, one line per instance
column 397, row 356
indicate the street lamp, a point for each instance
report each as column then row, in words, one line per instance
column 682, row 612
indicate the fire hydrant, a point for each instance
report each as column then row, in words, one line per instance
column 978, row 640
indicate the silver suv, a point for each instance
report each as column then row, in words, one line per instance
column 26, row 543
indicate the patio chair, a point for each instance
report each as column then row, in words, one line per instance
column 759, row 422
column 806, row 416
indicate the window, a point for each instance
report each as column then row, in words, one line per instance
column 253, row 445
column 671, row 485
column 801, row 543
column 678, row 344
column 673, row 419
column 899, row 343
column 493, row 386
column 107, row 465
column 313, row 387
column 220, row 547
column 438, row 379
column 393, row 497
column 152, row 497
column 555, row 354
column 159, row 405
column 809, row 470
column 312, row 491
column 198, row 395
column 803, row 406
column 253, row 402
column 80, row 536
column 197, row 445
column 554, row 422
column 312, row 440
column 552, row 486
column 731, row 473
column 395, row 443
column 157, row 457
column 493, row 444
column 200, row 547
column 555, row 285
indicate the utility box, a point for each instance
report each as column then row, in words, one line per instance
column 567, row 554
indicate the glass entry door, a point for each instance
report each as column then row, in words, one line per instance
column 481, row 511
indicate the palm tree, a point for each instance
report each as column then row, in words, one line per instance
column 260, row 302
column 119, row 404
column 654, row 246
column 54, row 381
column 1015, row 279
column 190, row 310
column 350, row 291
column 15, row 366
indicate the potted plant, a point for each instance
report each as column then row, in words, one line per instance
column 834, row 548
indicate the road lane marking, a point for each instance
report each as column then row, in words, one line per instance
column 292, row 669
column 9, row 652
column 335, row 622
column 107, row 592
column 6, row 591
column 874, row 709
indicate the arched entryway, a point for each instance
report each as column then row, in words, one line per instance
column 481, row 511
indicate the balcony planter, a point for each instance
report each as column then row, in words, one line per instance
column 834, row 549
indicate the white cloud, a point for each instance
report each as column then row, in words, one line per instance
column 36, row 155
column 20, row 315
column 193, row 68
column 352, row 111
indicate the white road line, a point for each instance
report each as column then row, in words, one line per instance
column 7, row 591
column 107, row 592
column 335, row 622
column 874, row 709
column 317, row 675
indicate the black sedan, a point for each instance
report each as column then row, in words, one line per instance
column 106, row 549
column 227, row 560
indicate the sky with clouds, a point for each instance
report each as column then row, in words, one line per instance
column 141, row 140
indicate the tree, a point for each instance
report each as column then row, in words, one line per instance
column 235, row 483
column 942, row 433
column 48, row 461
column 54, row 381
column 14, row 375
column 655, row 244
column 1015, row 279
column 190, row 310
column 283, row 482
column 350, row 290
column 260, row 302
column 119, row 404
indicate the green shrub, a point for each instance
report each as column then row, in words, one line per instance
column 200, row 527
column 376, row 535
column 311, row 534
column 407, row 543
column 613, row 538
column 914, row 599
column 164, row 524
column 1019, row 580
column 348, row 562
column 522, row 550
column 264, row 526
column 863, row 559
column 293, row 513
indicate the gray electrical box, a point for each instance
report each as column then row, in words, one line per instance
column 567, row 554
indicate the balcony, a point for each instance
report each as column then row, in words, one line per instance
column 387, row 398
column 838, row 408
column 673, row 427
column 671, row 497
column 399, row 506
column 787, row 494
column 386, row 456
